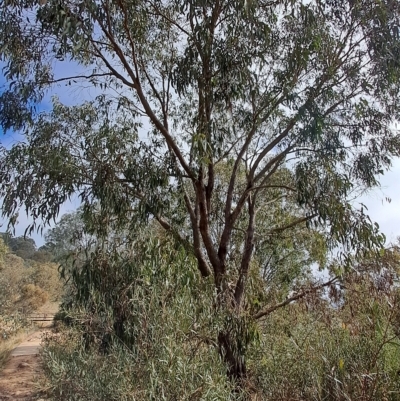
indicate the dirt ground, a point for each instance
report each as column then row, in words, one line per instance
column 18, row 379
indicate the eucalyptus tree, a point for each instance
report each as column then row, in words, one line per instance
column 186, row 86
column 67, row 237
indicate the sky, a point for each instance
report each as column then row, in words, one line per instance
column 386, row 214
column 67, row 96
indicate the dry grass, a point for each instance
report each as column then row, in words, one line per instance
column 6, row 346
column 49, row 307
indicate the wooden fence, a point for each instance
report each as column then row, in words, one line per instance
column 40, row 317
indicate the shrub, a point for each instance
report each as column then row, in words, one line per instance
column 32, row 297
column 145, row 328
column 138, row 332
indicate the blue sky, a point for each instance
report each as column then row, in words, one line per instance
column 387, row 215
column 68, row 96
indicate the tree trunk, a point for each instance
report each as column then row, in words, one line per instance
column 232, row 352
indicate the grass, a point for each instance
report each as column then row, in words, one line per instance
column 6, row 346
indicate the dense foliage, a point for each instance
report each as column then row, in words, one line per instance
column 153, row 336
column 244, row 129
column 25, row 286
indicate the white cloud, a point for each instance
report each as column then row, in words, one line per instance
column 386, row 214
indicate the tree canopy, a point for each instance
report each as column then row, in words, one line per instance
column 23, row 247
column 230, row 123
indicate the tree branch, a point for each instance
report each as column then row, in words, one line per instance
column 204, row 228
column 300, row 295
column 248, row 251
column 202, row 263
column 292, row 224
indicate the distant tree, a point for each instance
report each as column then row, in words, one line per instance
column 262, row 85
column 68, row 237
column 42, row 256
column 23, row 247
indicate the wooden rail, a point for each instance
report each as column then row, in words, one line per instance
column 40, row 317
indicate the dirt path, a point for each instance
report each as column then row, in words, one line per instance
column 17, row 379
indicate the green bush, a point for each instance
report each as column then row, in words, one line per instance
column 138, row 332
column 317, row 356
column 170, row 373
column 143, row 325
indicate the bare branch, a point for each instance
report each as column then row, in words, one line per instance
column 171, row 21
column 55, row 81
column 118, row 75
column 260, row 187
column 300, row 295
column 292, row 224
